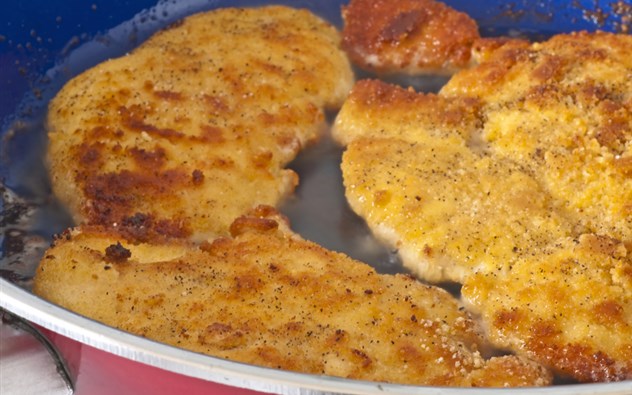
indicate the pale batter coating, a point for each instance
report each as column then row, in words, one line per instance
column 267, row 297
column 195, row 126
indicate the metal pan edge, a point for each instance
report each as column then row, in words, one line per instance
column 193, row 365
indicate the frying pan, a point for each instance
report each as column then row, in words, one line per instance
column 45, row 43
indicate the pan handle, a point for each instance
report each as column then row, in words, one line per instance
column 25, row 326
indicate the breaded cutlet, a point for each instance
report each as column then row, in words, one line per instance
column 568, row 306
column 562, row 109
column 515, row 181
column 195, row 126
column 408, row 36
column 265, row 296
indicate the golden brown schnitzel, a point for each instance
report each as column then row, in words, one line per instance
column 408, row 36
column 563, row 110
column 267, row 297
column 448, row 211
column 568, row 305
column 515, row 181
column 194, row 127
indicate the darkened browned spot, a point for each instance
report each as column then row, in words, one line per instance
column 616, row 131
column 400, row 25
column 590, row 92
column 506, row 319
column 142, row 227
column 91, row 155
column 591, row 53
column 288, row 141
column 173, row 228
column 381, row 198
column 458, row 110
column 576, row 360
column 496, row 71
column 154, row 301
column 210, row 134
column 551, row 67
column 544, row 330
column 609, row 312
column 197, row 177
column 294, row 326
column 124, row 93
column 602, row 244
column 543, row 94
column 364, row 358
column 148, row 86
column 273, row 358
column 113, row 196
column 217, row 246
column 447, row 111
column 623, row 164
column 580, row 361
column 133, row 119
column 149, row 159
column 612, row 135
column 262, row 160
column 223, row 163
column 409, row 354
column 116, row 253
column 338, row 336
column 99, row 133
column 247, row 283
column 613, row 109
column 168, row 95
column 215, row 104
column 270, row 67
column 138, row 221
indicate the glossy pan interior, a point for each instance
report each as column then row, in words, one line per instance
column 45, row 43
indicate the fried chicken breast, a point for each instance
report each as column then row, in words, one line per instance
column 448, row 212
column 265, row 296
column 568, row 305
column 418, row 171
column 408, row 36
column 194, row 127
column 563, row 109
column 517, row 192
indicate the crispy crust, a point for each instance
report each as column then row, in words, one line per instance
column 377, row 109
column 519, row 198
column 185, row 134
column 413, row 36
column 574, row 313
column 265, row 296
column 563, row 109
column 448, row 211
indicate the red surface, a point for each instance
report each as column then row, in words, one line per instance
column 96, row 372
